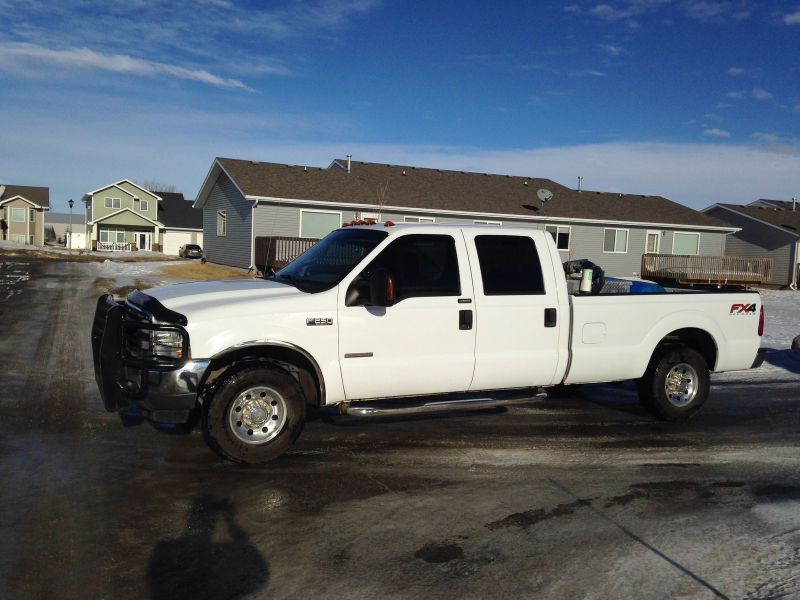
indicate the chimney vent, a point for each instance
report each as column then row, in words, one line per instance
column 794, row 204
column 349, row 156
column 580, row 182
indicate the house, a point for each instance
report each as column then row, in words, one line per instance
column 125, row 216
column 766, row 229
column 23, row 213
column 243, row 199
column 56, row 227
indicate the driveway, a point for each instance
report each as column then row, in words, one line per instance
column 580, row 497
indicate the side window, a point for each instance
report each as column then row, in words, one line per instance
column 222, row 225
column 143, row 205
column 421, row 265
column 31, row 215
column 560, row 234
column 509, row 265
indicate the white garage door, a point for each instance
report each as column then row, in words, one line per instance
column 173, row 240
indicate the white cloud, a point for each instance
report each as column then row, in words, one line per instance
column 766, row 137
column 717, row 132
column 760, row 94
column 611, row 49
column 736, row 71
column 792, row 19
column 797, row 106
column 117, row 63
column 573, row 8
column 724, row 105
column 704, row 11
column 588, row 73
column 736, row 95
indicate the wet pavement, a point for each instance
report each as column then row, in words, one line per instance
column 579, row 497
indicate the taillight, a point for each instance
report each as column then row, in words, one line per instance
column 761, row 322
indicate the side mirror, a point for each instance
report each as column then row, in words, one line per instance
column 381, row 288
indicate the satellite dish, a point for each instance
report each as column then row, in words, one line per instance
column 544, row 195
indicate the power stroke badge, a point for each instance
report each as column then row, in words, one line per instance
column 312, row 322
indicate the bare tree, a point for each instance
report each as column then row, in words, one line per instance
column 381, row 191
column 156, row 186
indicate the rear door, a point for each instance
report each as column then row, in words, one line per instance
column 422, row 344
column 518, row 321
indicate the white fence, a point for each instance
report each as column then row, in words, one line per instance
column 113, row 247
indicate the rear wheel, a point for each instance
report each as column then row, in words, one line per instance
column 254, row 414
column 675, row 385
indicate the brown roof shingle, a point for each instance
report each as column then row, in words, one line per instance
column 37, row 195
column 439, row 189
column 786, row 218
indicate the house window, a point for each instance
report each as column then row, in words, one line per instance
column 419, row 220
column 686, row 243
column 222, row 227
column 31, row 240
column 652, row 242
column 5, row 214
column 560, row 234
column 615, row 240
column 318, row 224
column 488, row 222
column 18, row 239
column 370, row 216
column 112, row 236
column 143, row 205
column 31, row 215
column 113, row 203
column 18, row 214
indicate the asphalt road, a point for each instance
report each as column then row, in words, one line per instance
column 581, row 497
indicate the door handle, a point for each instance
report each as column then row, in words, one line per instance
column 550, row 317
column 465, row 319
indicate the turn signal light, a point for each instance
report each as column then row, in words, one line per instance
column 390, row 289
column 761, row 322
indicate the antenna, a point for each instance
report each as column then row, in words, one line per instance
column 544, row 196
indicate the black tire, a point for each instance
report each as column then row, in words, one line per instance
column 675, row 385
column 276, row 402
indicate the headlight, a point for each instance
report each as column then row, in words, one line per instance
column 166, row 343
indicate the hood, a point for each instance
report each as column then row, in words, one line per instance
column 187, row 298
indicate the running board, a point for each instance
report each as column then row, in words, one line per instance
column 363, row 409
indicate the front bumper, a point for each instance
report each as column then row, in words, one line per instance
column 123, row 380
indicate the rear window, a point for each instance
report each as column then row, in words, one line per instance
column 509, row 265
column 192, row 247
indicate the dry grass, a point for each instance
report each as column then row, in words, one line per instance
column 196, row 270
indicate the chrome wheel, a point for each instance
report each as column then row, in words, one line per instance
column 681, row 385
column 257, row 415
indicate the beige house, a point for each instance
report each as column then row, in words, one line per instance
column 23, row 209
column 124, row 216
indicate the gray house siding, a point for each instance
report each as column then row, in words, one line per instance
column 234, row 248
column 586, row 241
column 758, row 240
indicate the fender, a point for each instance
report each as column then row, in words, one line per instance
column 685, row 319
column 279, row 344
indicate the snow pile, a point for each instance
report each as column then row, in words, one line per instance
column 112, row 268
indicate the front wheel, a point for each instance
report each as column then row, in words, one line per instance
column 675, row 385
column 254, row 414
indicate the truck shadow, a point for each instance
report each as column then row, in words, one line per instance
column 785, row 359
column 195, row 566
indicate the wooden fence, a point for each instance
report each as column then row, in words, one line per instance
column 717, row 270
column 275, row 252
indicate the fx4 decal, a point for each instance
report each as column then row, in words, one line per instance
column 743, row 309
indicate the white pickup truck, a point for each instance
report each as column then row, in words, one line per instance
column 433, row 317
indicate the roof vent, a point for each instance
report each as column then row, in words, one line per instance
column 255, row 162
column 580, row 182
column 349, row 156
column 404, row 173
column 526, row 183
column 305, row 169
column 620, row 195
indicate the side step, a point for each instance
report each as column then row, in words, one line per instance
column 364, row 409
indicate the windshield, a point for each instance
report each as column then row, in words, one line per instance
column 327, row 262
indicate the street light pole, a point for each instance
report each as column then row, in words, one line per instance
column 70, row 226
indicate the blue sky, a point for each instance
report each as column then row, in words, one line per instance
column 695, row 100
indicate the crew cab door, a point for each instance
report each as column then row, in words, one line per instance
column 518, row 318
column 425, row 342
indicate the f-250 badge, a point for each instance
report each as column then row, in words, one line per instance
column 743, row 309
column 318, row 321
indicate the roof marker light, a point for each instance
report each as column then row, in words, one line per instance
column 345, row 224
column 388, row 224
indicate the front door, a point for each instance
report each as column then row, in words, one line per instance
column 143, row 240
column 423, row 344
column 518, row 319
column 653, row 237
